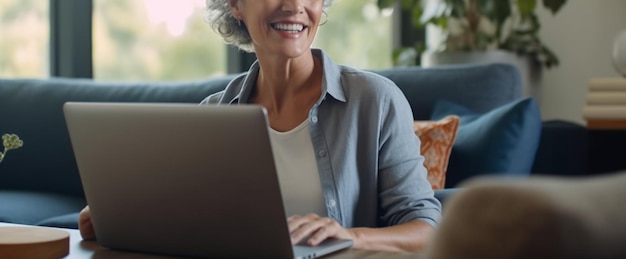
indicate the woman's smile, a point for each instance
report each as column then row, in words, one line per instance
column 289, row 30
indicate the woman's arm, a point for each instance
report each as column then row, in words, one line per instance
column 411, row 236
column 406, row 204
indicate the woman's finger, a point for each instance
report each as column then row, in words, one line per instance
column 330, row 230
column 85, row 226
column 307, row 228
column 296, row 221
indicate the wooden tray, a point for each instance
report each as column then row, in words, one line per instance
column 33, row 242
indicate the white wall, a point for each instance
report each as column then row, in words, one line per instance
column 582, row 36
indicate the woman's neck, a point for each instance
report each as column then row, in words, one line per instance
column 283, row 79
column 281, row 72
column 288, row 89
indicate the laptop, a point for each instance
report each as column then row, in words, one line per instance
column 183, row 180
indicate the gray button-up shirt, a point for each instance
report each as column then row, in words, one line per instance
column 367, row 153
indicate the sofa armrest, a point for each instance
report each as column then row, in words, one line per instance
column 562, row 149
column 34, row 208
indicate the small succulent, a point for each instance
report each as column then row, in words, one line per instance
column 10, row 141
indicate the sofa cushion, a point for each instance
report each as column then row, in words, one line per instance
column 502, row 141
column 479, row 87
column 33, row 109
column 63, row 221
column 437, row 138
column 31, row 208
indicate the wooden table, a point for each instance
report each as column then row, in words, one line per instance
column 80, row 249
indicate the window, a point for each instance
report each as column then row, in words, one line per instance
column 169, row 40
column 155, row 40
column 162, row 40
column 24, row 38
column 357, row 34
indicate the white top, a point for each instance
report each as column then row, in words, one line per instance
column 297, row 171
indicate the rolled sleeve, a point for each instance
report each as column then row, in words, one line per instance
column 404, row 191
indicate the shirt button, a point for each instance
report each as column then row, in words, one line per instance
column 332, row 203
column 322, row 153
column 314, row 119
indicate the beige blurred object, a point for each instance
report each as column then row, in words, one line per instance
column 541, row 217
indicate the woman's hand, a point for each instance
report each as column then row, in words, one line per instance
column 316, row 229
column 412, row 236
column 85, row 226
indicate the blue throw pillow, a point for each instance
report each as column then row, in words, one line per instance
column 502, row 141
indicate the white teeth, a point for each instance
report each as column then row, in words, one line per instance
column 294, row 28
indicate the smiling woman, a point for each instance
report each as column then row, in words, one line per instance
column 342, row 138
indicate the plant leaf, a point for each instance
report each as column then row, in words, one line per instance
column 410, row 4
column 421, row 16
column 405, row 56
column 554, row 5
column 457, row 8
column 382, row 4
column 526, row 7
column 497, row 11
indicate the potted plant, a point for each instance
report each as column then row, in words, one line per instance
column 511, row 26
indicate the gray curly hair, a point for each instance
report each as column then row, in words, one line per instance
column 222, row 22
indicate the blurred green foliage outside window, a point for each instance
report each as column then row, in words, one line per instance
column 24, row 38
column 357, row 34
column 137, row 40
column 169, row 40
column 155, row 40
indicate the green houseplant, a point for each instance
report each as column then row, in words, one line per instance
column 480, row 25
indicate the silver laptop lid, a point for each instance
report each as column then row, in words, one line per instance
column 180, row 179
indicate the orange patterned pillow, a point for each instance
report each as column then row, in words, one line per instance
column 437, row 138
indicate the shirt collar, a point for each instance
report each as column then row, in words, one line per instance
column 331, row 80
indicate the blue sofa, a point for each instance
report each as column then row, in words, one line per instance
column 40, row 185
